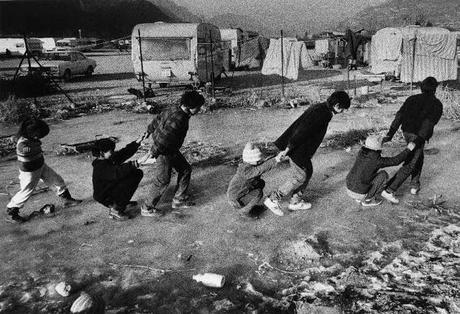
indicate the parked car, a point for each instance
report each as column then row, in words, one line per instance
column 63, row 64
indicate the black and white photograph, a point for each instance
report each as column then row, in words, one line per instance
column 215, row 156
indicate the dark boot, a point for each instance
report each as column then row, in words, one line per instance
column 68, row 199
column 13, row 212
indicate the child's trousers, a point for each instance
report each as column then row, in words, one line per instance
column 29, row 180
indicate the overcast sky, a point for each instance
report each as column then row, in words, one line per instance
column 294, row 15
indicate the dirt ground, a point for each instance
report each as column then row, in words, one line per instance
column 145, row 265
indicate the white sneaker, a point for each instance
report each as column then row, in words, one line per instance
column 274, row 206
column 390, row 197
column 301, row 205
column 414, row 191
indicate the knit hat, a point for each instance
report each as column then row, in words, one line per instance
column 251, row 154
column 373, row 142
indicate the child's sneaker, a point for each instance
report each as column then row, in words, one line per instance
column 117, row 214
column 414, row 191
column 13, row 215
column 182, row 204
column 147, row 211
column 274, row 206
column 300, row 205
column 390, row 197
column 371, row 202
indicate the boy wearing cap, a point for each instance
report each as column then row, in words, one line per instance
column 300, row 142
column 417, row 118
column 246, row 187
column 365, row 181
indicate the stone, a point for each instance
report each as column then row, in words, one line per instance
column 223, row 305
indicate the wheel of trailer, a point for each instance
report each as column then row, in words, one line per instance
column 67, row 75
column 163, row 85
column 89, row 71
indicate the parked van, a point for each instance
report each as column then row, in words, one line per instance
column 175, row 53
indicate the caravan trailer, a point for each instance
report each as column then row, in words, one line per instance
column 177, row 53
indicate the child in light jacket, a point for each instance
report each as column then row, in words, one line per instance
column 246, row 187
column 32, row 168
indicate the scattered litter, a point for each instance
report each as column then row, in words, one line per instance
column 248, row 288
column 417, row 282
column 63, row 289
column 223, row 305
column 130, row 241
column 210, row 280
column 86, row 303
column 89, row 222
column 47, row 210
column 197, row 244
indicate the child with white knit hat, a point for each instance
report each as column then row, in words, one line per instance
column 246, row 187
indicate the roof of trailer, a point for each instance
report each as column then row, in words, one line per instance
column 161, row 29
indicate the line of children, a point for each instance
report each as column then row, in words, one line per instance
column 115, row 181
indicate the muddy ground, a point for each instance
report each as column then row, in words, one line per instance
column 145, row 265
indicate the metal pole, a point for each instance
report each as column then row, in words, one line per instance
column 26, row 45
column 413, row 65
column 142, row 62
column 282, row 65
column 212, row 67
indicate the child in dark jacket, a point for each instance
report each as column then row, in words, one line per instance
column 114, row 180
column 32, row 168
column 246, row 187
column 365, row 181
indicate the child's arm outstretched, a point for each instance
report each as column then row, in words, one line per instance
column 129, row 150
column 264, row 167
column 396, row 160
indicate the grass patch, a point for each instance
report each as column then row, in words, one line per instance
column 450, row 99
column 15, row 110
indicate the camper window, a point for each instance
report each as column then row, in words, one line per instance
column 163, row 49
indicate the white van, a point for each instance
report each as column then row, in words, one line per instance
column 177, row 53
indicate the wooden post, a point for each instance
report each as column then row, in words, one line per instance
column 142, row 62
column 212, row 66
column 413, row 65
column 282, row 65
column 356, row 83
column 348, row 78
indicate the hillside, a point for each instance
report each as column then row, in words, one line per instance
column 442, row 13
column 244, row 22
column 175, row 11
column 61, row 18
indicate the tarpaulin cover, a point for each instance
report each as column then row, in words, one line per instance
column 251, row 53
column 295, row 54
column 435, row 53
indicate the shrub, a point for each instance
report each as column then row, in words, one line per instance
column 450, row 99
column 13, row 110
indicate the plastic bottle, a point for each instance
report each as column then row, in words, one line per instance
column 210, row 280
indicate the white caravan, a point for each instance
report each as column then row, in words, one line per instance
column 177, row 53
